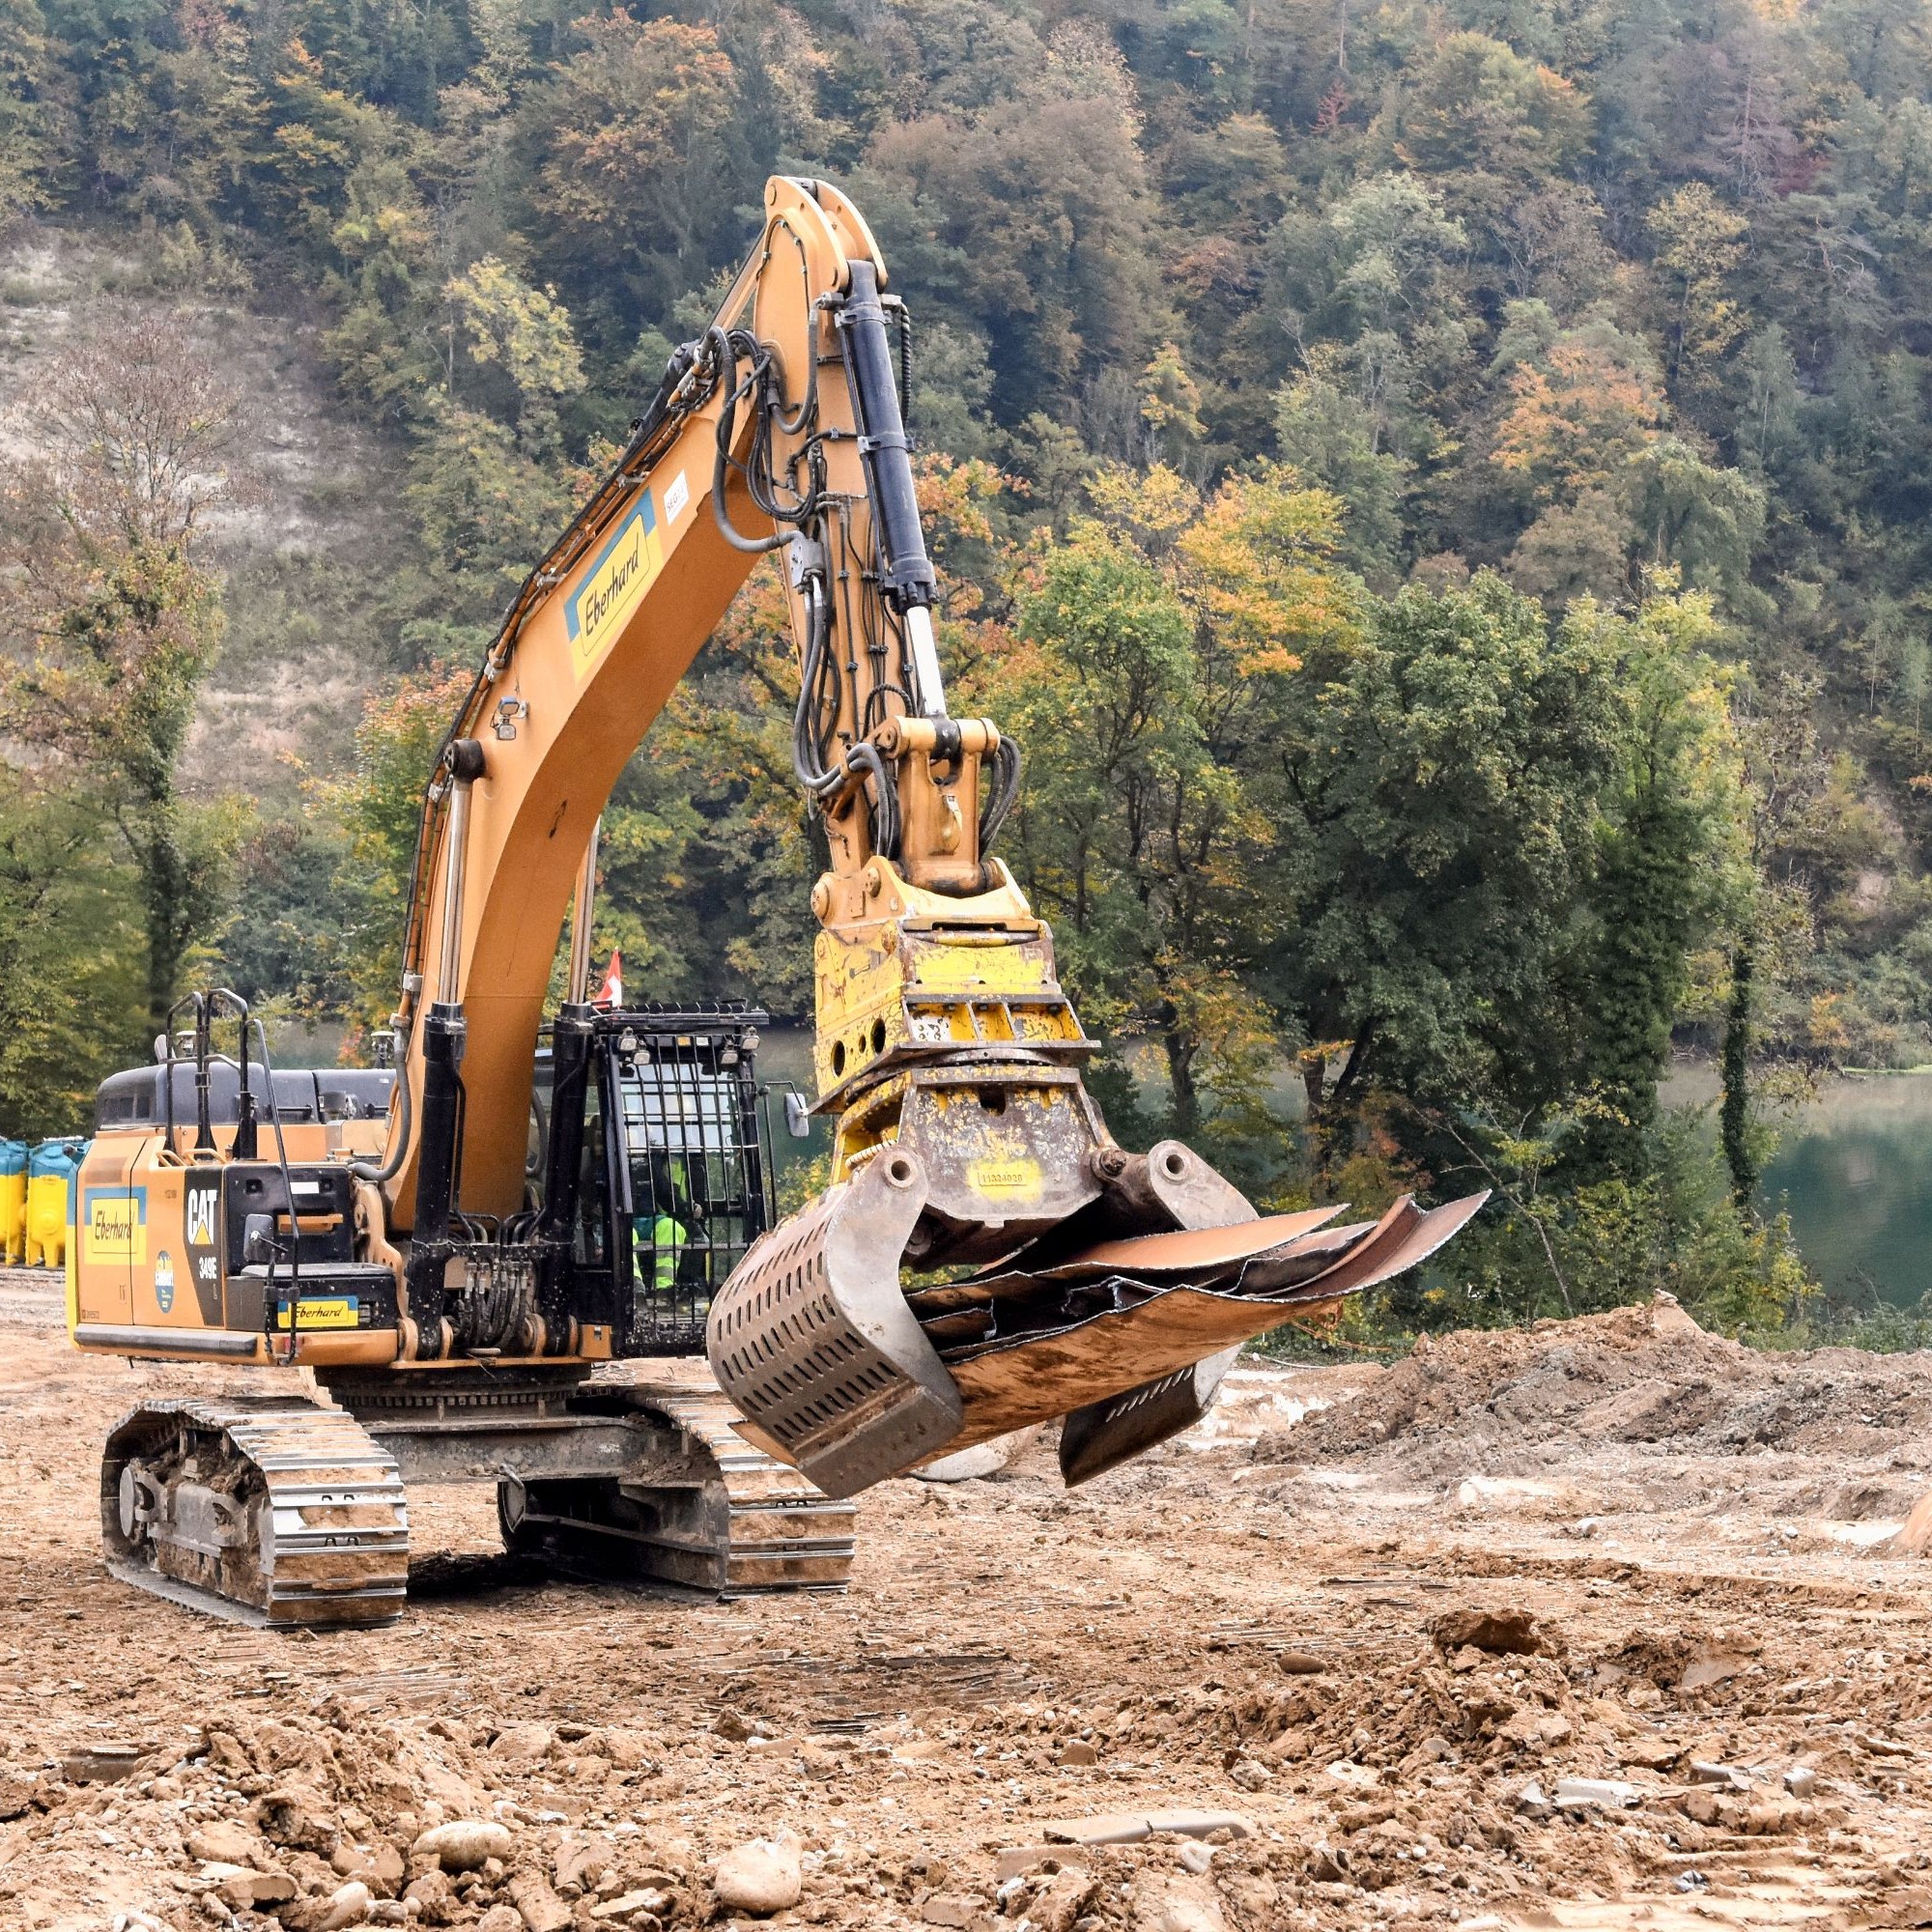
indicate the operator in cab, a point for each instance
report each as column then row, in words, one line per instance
column 662, row 1235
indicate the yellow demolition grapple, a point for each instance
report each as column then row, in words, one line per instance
column 1057, row 1274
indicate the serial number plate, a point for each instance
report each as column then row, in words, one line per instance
column 1008, row 1177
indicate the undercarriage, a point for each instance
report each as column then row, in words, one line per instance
column 289, row 1512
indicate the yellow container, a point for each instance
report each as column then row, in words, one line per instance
column 47, row 1220
column 12, row 1218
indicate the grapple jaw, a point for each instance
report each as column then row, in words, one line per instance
column 813, row 1340
column 1122, row 1317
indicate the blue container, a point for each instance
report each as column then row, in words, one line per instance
column 53, row 1188
column 12, row 1202
column 62, row 1158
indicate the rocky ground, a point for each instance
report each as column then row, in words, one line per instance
column 1598, row 1626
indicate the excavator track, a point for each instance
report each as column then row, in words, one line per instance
column 784, row 1532
column 710, row 1512
column 279, row 1513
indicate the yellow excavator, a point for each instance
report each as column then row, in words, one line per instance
column 469, row 1251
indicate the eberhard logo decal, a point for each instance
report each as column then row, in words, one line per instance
column 115, row 1222
column 596, row 609
column 335, row 1312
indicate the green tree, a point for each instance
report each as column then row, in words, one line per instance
column 32, row 118
column 101, row 535
column 1705, row 522
column 1699, row 246
column 70, row 945
column 1030, row 220
column 377, row 803
column 634, row 130
column 1437, row 788
column 1669, row 854
column 487, row 511
column 1478, row 116
column 1142, row 683
column 1335, row 443
column 526, row 334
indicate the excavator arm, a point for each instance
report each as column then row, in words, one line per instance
column 979, row 1261
column 588, row 655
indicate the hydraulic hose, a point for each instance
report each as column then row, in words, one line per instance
column 392, row 1164
column 1005, row 792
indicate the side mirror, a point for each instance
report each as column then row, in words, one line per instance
column 258, row 1240
column 798, row 1115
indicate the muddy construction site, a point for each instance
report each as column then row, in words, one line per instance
column 1605, row 1624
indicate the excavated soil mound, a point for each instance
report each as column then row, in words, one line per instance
column 1644, row 1375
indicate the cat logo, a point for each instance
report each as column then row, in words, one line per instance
column 595, row 611
column 202, row 1224
column 115, row 1225
column 201, row 1203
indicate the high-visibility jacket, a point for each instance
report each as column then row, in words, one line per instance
column 664, row 1239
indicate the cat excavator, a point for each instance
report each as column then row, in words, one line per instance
column 482, row 1257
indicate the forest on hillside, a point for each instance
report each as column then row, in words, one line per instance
column 1439, row 490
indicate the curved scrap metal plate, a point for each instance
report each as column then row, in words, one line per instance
column 1012, row 1381
column 1101, row 1436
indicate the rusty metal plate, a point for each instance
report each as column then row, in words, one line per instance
column 1192, row 1250
column 1233, row 1257
column 1008, row 1383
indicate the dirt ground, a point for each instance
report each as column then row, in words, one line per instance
column 1378, row 1615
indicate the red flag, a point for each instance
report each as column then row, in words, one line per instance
column 611, row 992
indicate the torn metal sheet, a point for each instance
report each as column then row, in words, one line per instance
column 1191, row 1250
column 1009, row 1381
column 1206, row 1257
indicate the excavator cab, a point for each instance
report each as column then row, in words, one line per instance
column 675, row 1179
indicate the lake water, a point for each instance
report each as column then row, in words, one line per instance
column 1855, row 1170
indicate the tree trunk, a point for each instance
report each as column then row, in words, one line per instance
column 1734, row 1114
column 163, row 908
column 1179, row 1050
column 1314, row 1070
